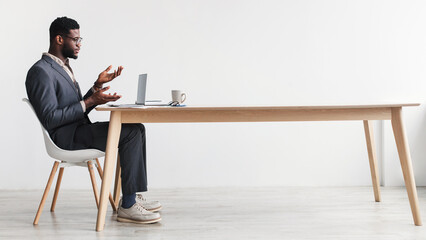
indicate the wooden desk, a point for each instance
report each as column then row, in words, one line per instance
column 366, row 113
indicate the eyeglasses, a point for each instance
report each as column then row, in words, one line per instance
column 77, row 40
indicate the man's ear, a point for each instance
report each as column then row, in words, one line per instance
column 59, row 40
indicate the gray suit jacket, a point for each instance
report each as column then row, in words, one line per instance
column 56, row 101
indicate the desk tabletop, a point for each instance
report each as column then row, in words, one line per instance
column 210, row 108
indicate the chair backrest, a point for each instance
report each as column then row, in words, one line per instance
column 64, row 155
column 51, row 147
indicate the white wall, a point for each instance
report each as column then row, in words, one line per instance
column 234, row 52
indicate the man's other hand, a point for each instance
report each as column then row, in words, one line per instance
column 100, row 97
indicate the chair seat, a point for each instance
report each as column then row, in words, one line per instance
column 74, row 156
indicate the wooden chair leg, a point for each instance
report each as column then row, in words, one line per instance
column 92, row 178
column 117, row 182
column 58, row 185
column 111, row 200
column 46, row 192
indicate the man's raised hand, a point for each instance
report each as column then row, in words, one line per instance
column 105, row 77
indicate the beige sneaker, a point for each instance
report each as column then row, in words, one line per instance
column 153, row 206
column 137, row 214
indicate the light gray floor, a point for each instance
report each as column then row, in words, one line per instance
column 224, row 213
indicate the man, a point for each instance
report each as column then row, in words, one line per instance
column 57, row 100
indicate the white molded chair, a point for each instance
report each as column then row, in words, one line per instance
column 68, row 158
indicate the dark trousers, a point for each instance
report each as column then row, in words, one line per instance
column 131, row 148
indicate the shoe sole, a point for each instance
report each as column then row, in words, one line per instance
column 126, row 220
column 155, row 209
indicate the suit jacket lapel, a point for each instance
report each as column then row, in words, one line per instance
column 79, row 90
column 61, row 71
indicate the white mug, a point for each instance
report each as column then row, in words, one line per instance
column 178, row 96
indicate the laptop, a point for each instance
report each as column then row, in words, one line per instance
column 142, row 93
column 140, row 100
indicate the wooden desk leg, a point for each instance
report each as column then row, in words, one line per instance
column 371, row 148
column 110, row 161
column 405, row 159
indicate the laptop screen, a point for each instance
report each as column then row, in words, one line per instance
column 141, row 89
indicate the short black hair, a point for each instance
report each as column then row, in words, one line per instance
column 62, row 26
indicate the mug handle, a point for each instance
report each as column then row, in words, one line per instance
column 183, row 96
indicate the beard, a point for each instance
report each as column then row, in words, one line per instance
column 68, row 52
